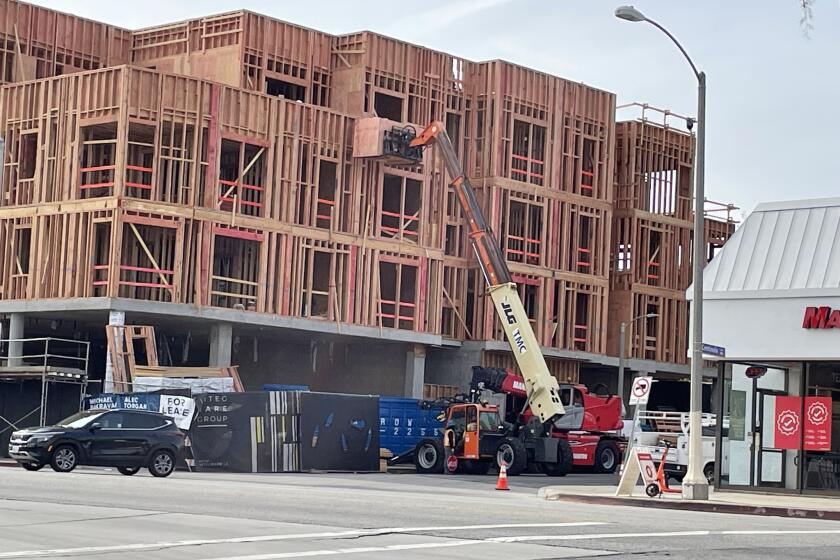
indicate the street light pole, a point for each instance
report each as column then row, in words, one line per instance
column 695, row 485
column 622, row 330
column 621, row 354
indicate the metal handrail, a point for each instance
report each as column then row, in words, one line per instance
column 45, row 338
column 42, row 363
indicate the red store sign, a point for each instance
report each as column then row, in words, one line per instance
column 821, row 318
column 816, row 423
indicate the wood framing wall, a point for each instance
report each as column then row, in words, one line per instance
column 218, row 170
column 652, row 240
column 37, row 43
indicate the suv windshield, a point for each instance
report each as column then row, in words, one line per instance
column 80, row 419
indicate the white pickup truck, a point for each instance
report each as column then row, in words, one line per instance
column 655, row 428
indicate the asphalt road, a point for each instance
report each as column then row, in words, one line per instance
column 97, row 513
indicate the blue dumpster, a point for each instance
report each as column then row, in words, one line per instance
column 402, row 423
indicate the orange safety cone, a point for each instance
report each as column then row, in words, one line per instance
column 502, row 482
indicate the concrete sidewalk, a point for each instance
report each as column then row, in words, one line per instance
column 749, row 503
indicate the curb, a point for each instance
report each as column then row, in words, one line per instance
column 709, row 507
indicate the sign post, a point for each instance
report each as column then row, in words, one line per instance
column 639, row 395
column 640, row 392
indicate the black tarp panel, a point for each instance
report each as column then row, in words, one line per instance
column 339, row 432
column 246, row 432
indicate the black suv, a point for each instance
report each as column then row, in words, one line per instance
column 126, row 439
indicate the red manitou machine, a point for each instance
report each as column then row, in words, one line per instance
column 537, row 432
column 590, row 425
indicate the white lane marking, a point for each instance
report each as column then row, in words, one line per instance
column 360, row 550
column 591, row 536
column 583, row 536
column 784, row 532
column 294, row 536
column 504, row 540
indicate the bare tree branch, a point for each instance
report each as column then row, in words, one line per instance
column 807, row 21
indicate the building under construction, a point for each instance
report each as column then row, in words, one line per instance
column 207, row 178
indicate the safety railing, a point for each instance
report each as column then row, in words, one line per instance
column 48, row 360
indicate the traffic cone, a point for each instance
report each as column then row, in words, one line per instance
column 502, row 484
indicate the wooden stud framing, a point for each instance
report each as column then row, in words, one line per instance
column 225, row 177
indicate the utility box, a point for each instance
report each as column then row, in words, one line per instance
column 385, row 140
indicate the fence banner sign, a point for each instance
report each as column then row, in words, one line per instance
column 180, row 409
column 817, row 424
column 131, row 402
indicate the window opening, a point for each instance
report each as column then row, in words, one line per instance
column 398, row 295
column 654, row 258
column 528, row 157
column 401, row 203
column 98, row 154
column 235, row 272
column 388, row 106
column 581, row 327
column 523, row 232
column 147, row 262
column 101, row 257
column 317, row 274
column 241, row 178
column 587, row 171
column 584, row 262
column 325, row 213
column 288, row 90
column 139, row 160
column 175, row 173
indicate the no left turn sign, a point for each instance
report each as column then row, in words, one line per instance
column 640, row 392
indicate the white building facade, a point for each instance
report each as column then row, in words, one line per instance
column 772, row 301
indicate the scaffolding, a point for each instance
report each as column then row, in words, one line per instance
column 49, row 361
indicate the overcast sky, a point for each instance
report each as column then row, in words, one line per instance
column 774, row 95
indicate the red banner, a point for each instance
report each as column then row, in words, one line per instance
column 788, row 426
column 817, row 424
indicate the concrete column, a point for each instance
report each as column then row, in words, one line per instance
column 415, row 371
column 221, row 344
column 15, row 336
column 115, row 318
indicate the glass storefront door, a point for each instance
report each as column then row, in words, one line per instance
column 756, row 449
column 768, row 459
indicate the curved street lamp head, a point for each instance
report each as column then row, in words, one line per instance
column 629, row 13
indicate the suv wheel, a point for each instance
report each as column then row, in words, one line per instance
column 162, row 463
column 64, row 459
column 32, row 466
column 128, row 471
